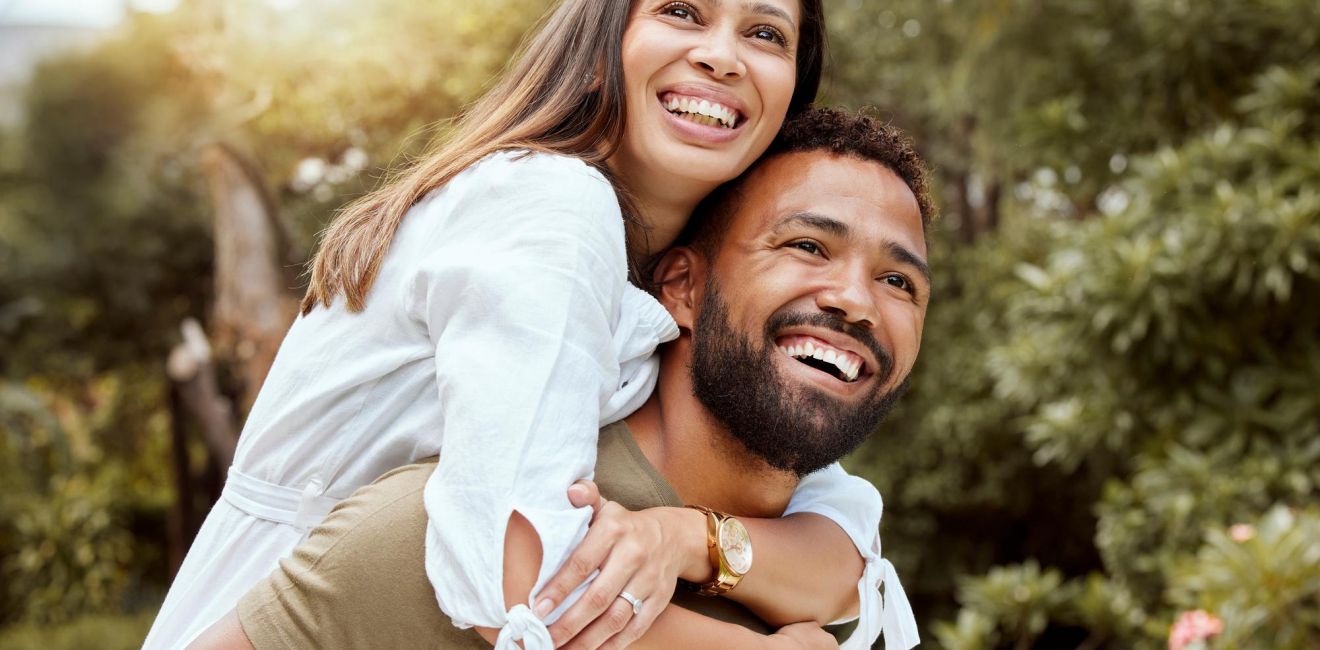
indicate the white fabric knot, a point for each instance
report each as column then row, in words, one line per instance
column 898, row 623
column 523, row 625
column 890, row 615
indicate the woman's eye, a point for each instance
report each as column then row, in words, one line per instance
column 807, row 246
column 679, row 10
column 898, row 282
column 769, row 34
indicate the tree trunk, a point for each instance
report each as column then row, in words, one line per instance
column 254, row 299
column 182, row 517
column 193, row 374
column 990, row 221
column 960, row 182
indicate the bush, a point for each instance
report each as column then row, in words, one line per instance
column 122, row 632
column 1154, row 368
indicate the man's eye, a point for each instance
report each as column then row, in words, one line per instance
column 680, row 10
column 898, row 282
column 807, row 246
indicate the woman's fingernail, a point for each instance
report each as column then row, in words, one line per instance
column 543, row 608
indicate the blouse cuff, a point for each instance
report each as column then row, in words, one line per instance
column 523, row 625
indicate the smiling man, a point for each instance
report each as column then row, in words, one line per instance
column 800, row 292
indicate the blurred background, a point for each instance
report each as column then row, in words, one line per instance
column 1113, row 437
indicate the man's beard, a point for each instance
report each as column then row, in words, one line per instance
column 794, row 428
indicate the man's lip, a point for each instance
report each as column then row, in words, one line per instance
column 837, row 340
column 824, row 379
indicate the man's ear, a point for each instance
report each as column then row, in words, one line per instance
column 679, row 276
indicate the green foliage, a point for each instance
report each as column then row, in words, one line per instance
column 1022, row 606
column 101, row 632
column 71, row 500
column 1020, row 599
column 102, row 240
column 1096, row 394
column 1265, row 585
column 1005, row 88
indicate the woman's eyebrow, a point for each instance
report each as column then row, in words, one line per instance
column 766, row 9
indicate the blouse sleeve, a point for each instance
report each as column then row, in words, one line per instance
column 855, row 505
column 519, row 298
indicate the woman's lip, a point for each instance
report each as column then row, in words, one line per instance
column 669, row 96
column 700, row 133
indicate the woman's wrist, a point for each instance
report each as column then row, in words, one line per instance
column 685, row 529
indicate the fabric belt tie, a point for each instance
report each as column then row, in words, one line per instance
column 523, row 625
column 301, row 508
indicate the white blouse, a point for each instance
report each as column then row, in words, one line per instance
column 502, row 331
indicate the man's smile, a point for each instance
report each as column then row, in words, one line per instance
column 841, row 364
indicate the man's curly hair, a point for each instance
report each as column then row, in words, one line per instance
column 837, row 131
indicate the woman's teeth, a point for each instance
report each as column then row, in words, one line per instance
column 702, row 111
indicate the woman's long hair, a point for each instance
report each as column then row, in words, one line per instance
column 562, row 93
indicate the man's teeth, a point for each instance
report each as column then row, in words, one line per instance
column 848, row 368
column 702, row 111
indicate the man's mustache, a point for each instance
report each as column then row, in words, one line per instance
column 835, row 323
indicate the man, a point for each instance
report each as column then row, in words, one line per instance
column 800, row 292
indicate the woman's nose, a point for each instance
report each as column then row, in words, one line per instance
column 718, row 55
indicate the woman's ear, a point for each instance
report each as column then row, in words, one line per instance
column 678, row 276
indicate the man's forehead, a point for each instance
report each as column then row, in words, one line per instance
column 825, row 184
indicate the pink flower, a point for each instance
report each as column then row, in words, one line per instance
column 1193, row 627
column 1241, row 532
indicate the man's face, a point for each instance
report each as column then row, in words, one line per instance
column 810, row 319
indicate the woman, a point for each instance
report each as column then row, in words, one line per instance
column 494, row 325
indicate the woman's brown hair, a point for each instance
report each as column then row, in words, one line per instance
column 562, row 94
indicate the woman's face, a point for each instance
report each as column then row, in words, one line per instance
column 707, row 85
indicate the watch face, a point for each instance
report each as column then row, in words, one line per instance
column 736, row 545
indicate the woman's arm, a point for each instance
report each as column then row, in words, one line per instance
column 225, row 634
column 518, row 293
column 806, row 567
column 674, row 627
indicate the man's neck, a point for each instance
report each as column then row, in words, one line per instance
column 700, row 459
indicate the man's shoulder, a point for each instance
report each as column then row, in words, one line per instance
column 392, row 503
column 358, row 579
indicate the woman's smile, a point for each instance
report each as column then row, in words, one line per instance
column 703, row 115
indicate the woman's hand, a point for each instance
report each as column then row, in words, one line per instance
column 634, row 554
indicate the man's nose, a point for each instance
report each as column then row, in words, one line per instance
column 848, row 295
column 717, row 54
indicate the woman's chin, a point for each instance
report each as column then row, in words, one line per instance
column 705, row 167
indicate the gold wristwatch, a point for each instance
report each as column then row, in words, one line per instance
column 730, row 552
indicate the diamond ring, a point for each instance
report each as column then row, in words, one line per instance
column 632, row 600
